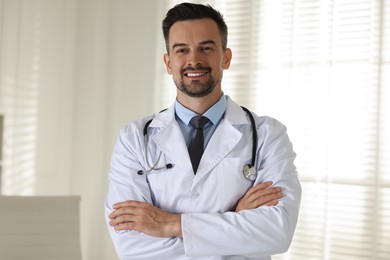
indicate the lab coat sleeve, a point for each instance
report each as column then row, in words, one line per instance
column 259, row 232
column 126, row 184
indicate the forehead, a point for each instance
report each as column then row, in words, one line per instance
column 192, row 32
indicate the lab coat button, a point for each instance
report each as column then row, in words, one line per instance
column 196, row 195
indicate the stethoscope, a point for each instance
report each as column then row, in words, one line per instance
column 248, row 171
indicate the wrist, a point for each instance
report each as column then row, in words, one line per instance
column 176, row 226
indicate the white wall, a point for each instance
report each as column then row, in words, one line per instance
column 92, row 63
column 114, row 84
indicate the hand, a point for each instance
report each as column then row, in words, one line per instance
column 146, row 218
column 260, row 195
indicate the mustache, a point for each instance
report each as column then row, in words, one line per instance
column 208, row 69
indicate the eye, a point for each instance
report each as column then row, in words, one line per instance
column 207, row 48
column 181, row 50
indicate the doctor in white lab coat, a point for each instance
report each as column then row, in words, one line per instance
column 174, row 212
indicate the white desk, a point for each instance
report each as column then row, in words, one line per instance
column 40, row 228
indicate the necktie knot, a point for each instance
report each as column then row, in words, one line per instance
column 198, row 122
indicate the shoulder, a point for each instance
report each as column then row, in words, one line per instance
column 157, row 120
column 268, row 122
column 269, row 127
column 136, row 125
column 262, row 122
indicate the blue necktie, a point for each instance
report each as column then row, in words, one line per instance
column 196, row 146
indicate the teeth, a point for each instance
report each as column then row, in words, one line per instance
column 195, row 74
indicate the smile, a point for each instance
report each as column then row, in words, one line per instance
column 195, row 74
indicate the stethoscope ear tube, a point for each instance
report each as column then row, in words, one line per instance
column 167, row 166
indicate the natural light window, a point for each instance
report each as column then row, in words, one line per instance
column 19, row 94
column 322, row 68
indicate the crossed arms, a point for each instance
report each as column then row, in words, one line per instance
column 146, row 218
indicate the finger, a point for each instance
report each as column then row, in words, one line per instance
column 121, row 212
column 128, row 210
column 258, row 196
column 261, row 193
column 130, row 225
column 127, row 206
column 266, row 199
column 113, row 214
column 125, row 226
column 258, row 187
column 125, row 218
column 261, row 199
column 272, row 203
column 120, row 220
column 127, row 203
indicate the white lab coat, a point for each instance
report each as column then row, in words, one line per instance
column 211, row 230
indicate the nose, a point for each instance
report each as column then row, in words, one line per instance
column 194, row 59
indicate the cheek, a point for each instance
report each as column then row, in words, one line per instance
column 218, row 68
column 175, row 67
column 177, row 72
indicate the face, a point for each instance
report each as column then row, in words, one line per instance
column 196, row 59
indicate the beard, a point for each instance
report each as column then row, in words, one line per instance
column 196, row 88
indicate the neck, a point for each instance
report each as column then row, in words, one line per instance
column 199, row 105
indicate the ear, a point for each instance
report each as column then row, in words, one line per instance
column 227, row 57
column 167, row 63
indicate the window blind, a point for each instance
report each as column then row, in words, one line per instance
column 322, row 67
column 20, row 37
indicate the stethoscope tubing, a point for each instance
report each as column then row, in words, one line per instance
column 254, row 135
column 249, row 170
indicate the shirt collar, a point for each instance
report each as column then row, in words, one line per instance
column 214, row 113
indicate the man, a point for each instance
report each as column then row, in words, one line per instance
column 162, row 202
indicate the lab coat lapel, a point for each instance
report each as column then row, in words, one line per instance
column 169, row 139
column 224, row 140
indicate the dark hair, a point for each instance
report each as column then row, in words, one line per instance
column 189, row 11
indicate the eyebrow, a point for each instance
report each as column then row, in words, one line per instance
column 208, row 42
column 176, row 45
column 179, row 45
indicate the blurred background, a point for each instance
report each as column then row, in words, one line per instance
column 73, row 72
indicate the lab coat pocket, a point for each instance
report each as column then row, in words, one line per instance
column 232, row 184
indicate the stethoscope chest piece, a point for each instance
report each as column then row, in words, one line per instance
column 249, row 172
